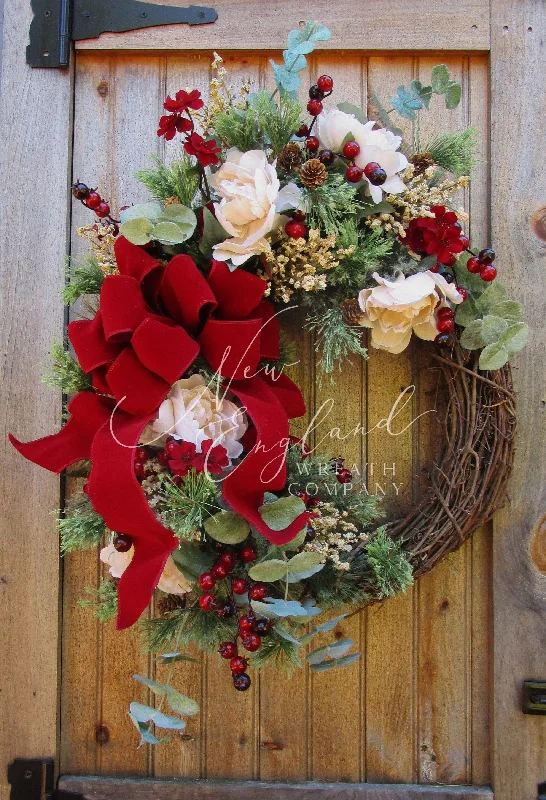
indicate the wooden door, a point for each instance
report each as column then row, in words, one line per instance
column 435, row 698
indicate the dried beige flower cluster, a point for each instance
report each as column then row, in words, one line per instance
column 222, row 96
column 101, row 237
column 302, row 264
column 152, row 483
column 335, row 536
column 417, row 199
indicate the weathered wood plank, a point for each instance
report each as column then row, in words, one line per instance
column 35, row 132
column 143, row 789
column 518, row 168
column 374, row 25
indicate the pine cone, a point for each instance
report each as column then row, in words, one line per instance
column 421, row 162
column 172, row 201
column 170, row 602
column 352, row 313
column 313, row 173
column 290, row 157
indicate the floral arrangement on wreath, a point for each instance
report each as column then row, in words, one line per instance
column 180, row 409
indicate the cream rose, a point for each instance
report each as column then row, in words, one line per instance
column 380, row 146
column 395, row 309
column 171, row 582
column 193, row 413
column 251, row 199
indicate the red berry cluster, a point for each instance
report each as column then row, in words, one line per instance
column 250, row 628
column 296, row 227
column 482, row 265
column 440, row 235
column 321, row 89
column 180, row 120
column 92, row 199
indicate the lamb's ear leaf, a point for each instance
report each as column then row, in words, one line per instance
column 493, row 357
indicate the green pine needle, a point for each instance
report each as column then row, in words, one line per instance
column 80, row 527
column 188, row 626
column 103, row 601
column 392, row 570
column 179, row 179
column 188, row 504
column 455, row 151
column 334, row 340
column 329, row 206
column 85, row 279
column 370, row 247
column 277, row 652
column 263, row 123
column 64, row 373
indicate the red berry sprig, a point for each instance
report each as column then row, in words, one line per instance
column 482, row 265
column 321, row 89
column 91, row 199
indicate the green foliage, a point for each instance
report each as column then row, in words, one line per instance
column 492, row 323
column 143, row 717
column 188, row 504
column 212, row 234
column 300, row 43
column 334, row 340
column 192, row 561
column 80, row 527
column 263, row 123
column 334, row 588
column 84, row 279
column 281, row 513
column 227, row 527
column 179, row 179
column 103, row 601
column 371, row 246
column 188, row 626
column 407, row 102
column 332, row 655
column 455, row 151
column 278, row 652
column 146, row 222
column 64, row 373
column 392, row 571
column 331, row 204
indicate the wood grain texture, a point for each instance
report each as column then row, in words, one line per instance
column 101, row 789
column 374, row 25
column 373, row 711
column 35, row 132
column 518, row 166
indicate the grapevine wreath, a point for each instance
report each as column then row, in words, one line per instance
column 180, row 406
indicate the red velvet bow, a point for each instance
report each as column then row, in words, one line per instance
column 152, row 323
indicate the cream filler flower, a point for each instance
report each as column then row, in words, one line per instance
column 379, row 146
column 171, row 582
column 251, row 202
column 193, row 413
column 395, row 309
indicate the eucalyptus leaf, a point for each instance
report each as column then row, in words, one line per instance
column 294, row 62
column 329, row 625
column 146, row 735
column 269, row 571
column 283, row 608
column 440, row 79
column 492, row 328
column 137, row 231
column 304, row 561
column 471, row 337
column 227, row 527
column 317, row 32
column 515, row 338
column 170, row 233
column 143, row 713
column 296, row 577
column 284, row 634
column 453, row 95
column 158, row 689
column 334, row 650
column 171, row 658
column 296, row 542
column 405, row 103
column 298, row 45
column 180, row 703
column 191, row 561
column 336, row 662
column 282, row 513
column 424, row 93
column 149, row 211
column 349, row 108
column 493, row 357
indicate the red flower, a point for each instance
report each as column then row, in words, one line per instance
column 439, row 235
column 210, row 459
column 172, row 124
column 195, row 145
column 184, row 100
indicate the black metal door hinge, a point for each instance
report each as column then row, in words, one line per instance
column 33, row 779
column 534, row 697
column 57, row 23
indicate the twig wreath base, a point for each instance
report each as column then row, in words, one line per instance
column 468, row 482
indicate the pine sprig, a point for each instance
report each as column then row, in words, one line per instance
column 84, row 279
column 189, row 503
column 329, row 205
column 64, row 373
column 335, row 341
column 263, row 123
column 455, row 151
column 80, row 527
column 392, row 570
column 370, row 248
column 278, row 652
column 188, row 626
column 179, row 179
column 103, row 601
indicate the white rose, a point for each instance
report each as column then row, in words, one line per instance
column 250, row 201
column 380, row 146
column 171, row 582
column 193, row 413
column 395, row 309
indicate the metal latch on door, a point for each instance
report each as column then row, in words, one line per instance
column 57, row 23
